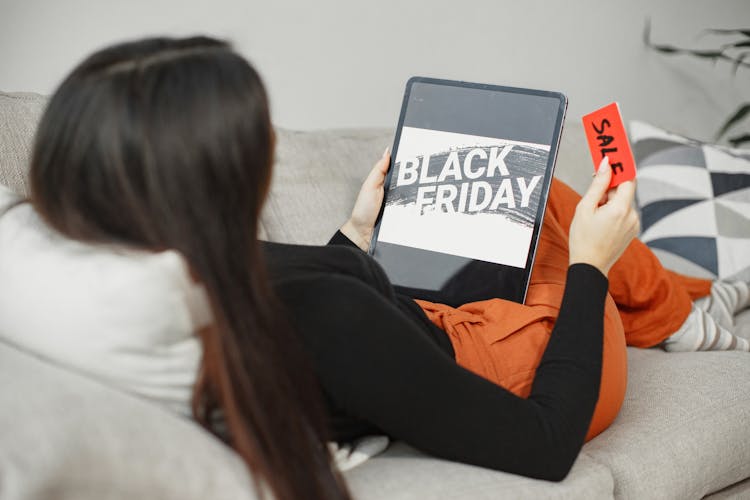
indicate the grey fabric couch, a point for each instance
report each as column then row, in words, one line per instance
column 683, row 432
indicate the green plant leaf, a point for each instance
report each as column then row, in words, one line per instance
column 728, row 31
column 715, row 55
column 712, row 54
column 671, row 49
column 738, row 140
column 739, row 61
column 647, row 32
column 705, row 54
column 666, row 49
column 738, row 115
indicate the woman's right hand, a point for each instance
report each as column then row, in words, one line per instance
column 604, row 222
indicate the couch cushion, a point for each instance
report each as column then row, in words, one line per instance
column 402, row 473
column 66, row 437
column 316, row 180
column 683, row 429
column 142, row 305
column 694, row 200
column 19, row 114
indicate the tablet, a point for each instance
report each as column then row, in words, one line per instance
column 467, row 189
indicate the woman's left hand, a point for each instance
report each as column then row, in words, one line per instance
column 360, row 225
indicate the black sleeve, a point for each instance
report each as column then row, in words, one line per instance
column 376, row 364
column 339, row 238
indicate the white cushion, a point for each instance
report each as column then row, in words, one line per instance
column 126, row 317
column 694, row 200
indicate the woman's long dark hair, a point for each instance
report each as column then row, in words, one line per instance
column 167, row 143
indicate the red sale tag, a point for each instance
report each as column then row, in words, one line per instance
column 606, row 135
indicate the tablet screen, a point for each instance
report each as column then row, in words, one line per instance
column 465, row 193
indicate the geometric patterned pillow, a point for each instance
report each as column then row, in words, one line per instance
column 694, row 203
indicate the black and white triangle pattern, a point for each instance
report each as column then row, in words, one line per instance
column 694, row 202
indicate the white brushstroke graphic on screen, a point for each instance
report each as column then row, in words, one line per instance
column 465, row 195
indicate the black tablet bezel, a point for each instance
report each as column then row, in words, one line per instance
column 549, row 172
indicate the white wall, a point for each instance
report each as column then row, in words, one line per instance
column 341, row 64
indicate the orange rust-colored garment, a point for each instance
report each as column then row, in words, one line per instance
column 504, row 341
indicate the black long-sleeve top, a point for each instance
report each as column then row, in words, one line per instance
column 386, row 368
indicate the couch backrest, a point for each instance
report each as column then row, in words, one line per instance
column 317, row 174
column 19, row 115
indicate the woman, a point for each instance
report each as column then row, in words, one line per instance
column 155, row 157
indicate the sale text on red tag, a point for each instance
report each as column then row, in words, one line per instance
column 606, row 136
